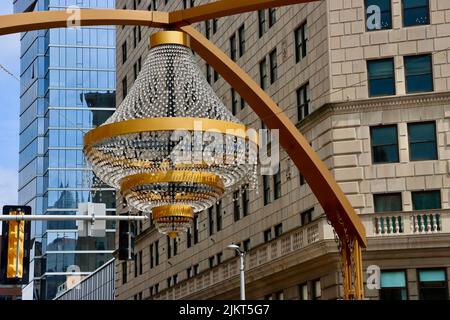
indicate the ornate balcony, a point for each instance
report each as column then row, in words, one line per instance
column 388, row 224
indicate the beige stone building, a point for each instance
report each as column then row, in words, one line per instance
column 375, row 105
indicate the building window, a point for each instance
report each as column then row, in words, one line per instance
column 246, row 245
column 236, row 206
column 372, row 21
column 207, row 29
column 272, row 16
column 381, row 77
column 188, row 238
column 219, row 258
column 301, row 39
column 303, row 294
column 216, row 76
column 306, row 217
column 266, row 190
column 169, row 248
column 139, row 34
column 426, row 200
column 279, row 295
column 384, row 144
column 234, row 102
column 152, row 260
column 277, row 184
column 195, row 269
column 124, row 272
column 233, row 47
column 433, row 284
column 189, row 273
column 124, row 52
column 219, row 215
column 303, row 102
column 245, row 201
column 388, row 202
column 263, row 74
column 301, row 178
column 261, row 22
column 135, row 37
column 124, row 87
column 169, row 282
column 195, row 224
column 140, row 262
column 208, row 73
column 241, row 36
column 156, row 252
column 175, row 279
column 175, row 247
column 210, row 221
column 316, row 290
column 268, row 235
column 393, row 285
column 422, row 141
column 273, row 66
column 139, row 64
column 278, row 229
column 416, row 12
column 215, row 25
column 419, row 73
column 135, row 70
column 211, row 262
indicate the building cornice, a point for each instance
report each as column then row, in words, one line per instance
column 374, row 104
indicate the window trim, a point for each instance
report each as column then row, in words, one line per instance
column 433, row 86
column 393, row 77
column 435, row 140
column 371, row 143
column 402, row 4
column 299, row 53
column 378, row 194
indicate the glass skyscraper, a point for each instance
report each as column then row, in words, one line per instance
column 67, row 88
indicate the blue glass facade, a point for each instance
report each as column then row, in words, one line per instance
column 67, row 88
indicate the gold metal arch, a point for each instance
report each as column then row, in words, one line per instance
column 338, row 209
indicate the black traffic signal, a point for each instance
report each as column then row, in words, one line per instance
column 15, row 248
column 127, row 238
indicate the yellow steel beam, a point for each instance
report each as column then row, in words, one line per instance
column 21, row 22
column 225, row 8
column 319, row 178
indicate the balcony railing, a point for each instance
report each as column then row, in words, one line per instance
column 407, row 223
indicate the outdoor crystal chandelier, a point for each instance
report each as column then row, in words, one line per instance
column 172, row 148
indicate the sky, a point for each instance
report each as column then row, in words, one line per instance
column 9, row 113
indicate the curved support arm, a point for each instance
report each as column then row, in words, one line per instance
column 21, row 22
column 319, row 178
column 223, row 8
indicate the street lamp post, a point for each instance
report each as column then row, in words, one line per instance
column 241, row 268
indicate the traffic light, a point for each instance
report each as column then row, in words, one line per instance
column 127, row 238
column 15, row 247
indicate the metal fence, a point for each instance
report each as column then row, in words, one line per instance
column 97, row 286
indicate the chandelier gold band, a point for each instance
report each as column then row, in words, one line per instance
column 169, row 37
column 187, row 196
column 182, row 211
column 179, row 176
column 165, row 124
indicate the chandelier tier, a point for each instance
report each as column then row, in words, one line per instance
column 171, row 142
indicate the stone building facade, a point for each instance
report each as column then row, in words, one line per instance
column 375, row 106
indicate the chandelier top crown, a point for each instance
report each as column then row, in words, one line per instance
column 169, row 37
